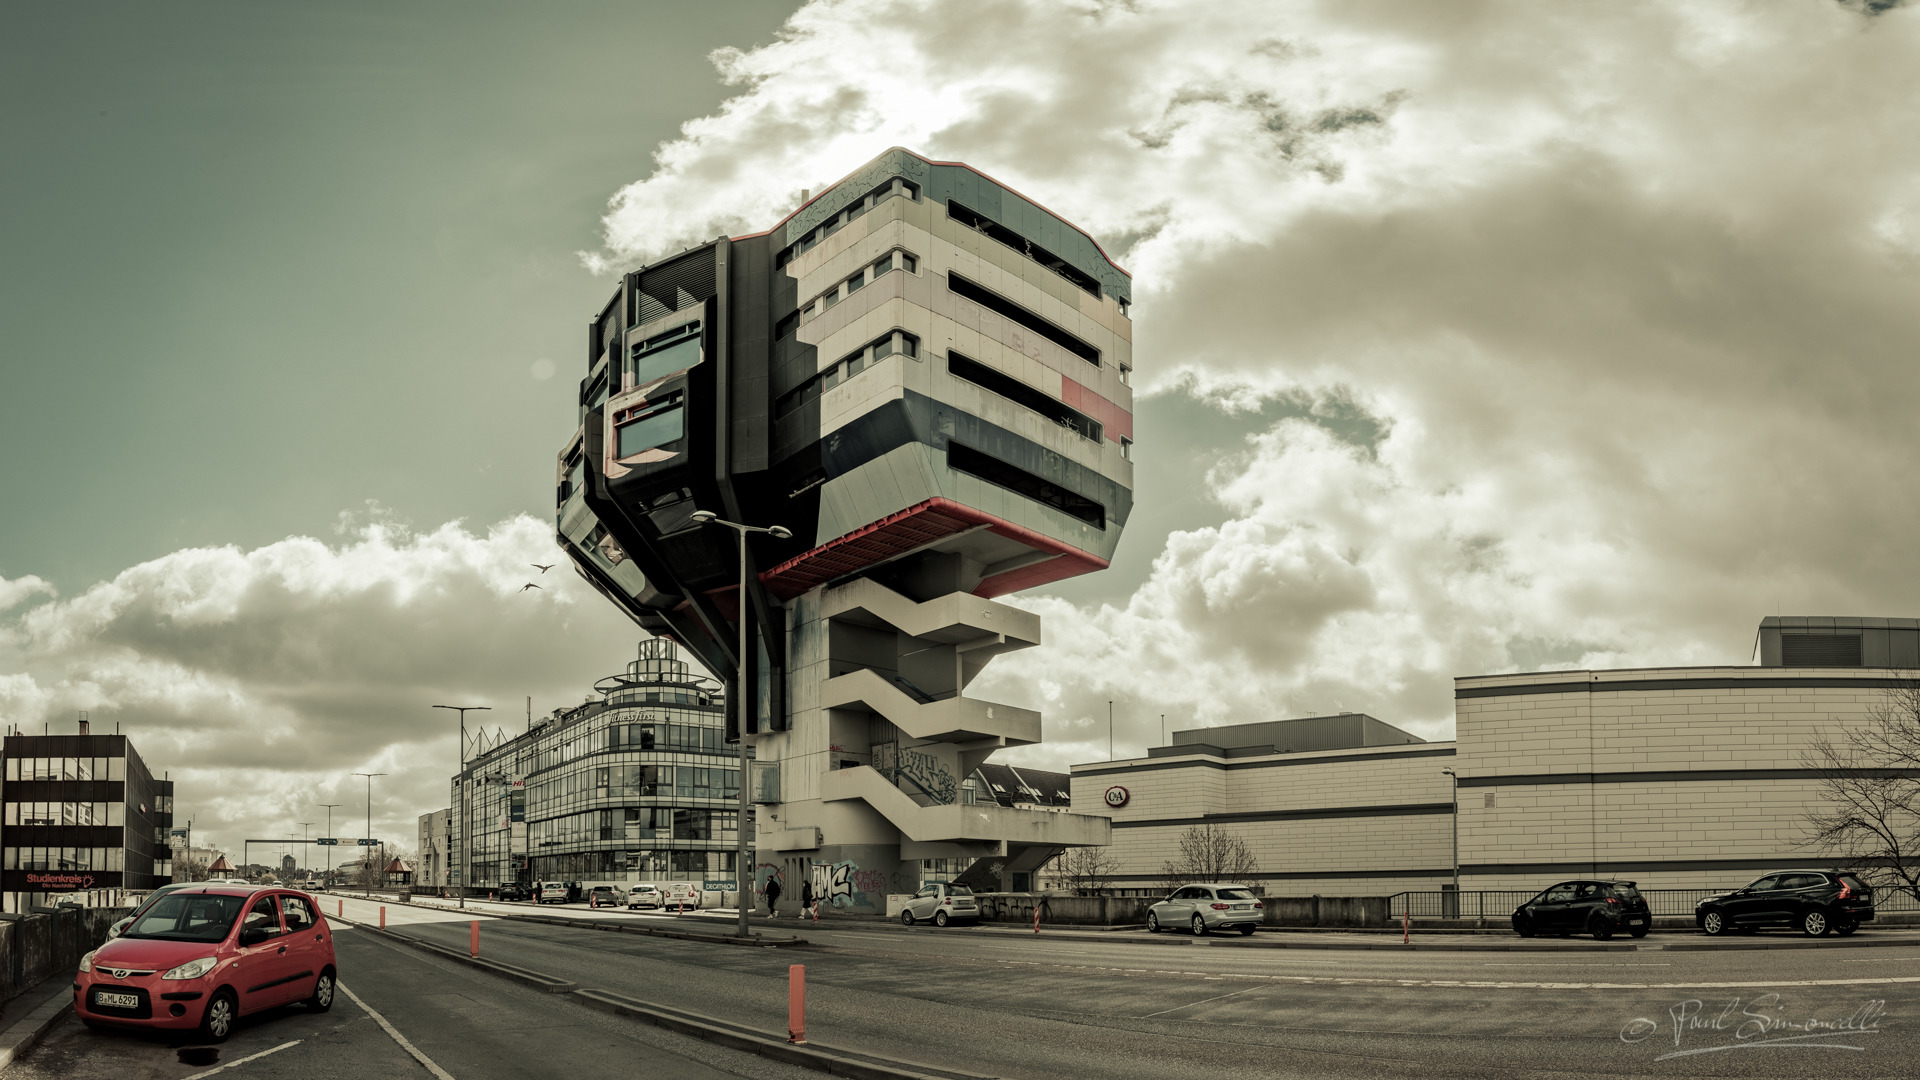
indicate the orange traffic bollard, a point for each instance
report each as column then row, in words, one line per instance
column 797, row 1003
column 1406, row 927
column 473, row 936
column 1036, row 919
column 340, row 908
column 383, row 916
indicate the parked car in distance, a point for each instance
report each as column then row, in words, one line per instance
column 603, row 896
column 645, row 896
column 178, row 966
column 1205, row 908
column 683, row 895
column 512, row 891
column 559, row 892
column 941, row 904
column 1602, row 908
column 314, row 885
column 1810, row 901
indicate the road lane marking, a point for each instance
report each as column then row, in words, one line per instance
column 242, row 1061
column 423, row 1059
column 1202, row 1001
column 1580, row 963
column 1503, row 984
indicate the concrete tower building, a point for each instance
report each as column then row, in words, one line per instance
column 924, row 377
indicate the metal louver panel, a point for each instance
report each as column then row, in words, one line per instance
column 1820, row 650
column 680, row 284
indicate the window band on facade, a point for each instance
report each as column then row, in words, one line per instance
column 888, row 189
column 979, row 222
column 1015, row 479
column 897, row 259
column 1019, row 315
column 888, row 344
column 970, row 370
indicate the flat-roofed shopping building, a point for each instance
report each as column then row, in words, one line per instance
column 78, row 813
column 1688, row 777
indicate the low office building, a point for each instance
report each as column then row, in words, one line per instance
column 1673, row 777
column 637, row 784
column 77, row 813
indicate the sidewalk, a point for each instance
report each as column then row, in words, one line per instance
column 32, row 1014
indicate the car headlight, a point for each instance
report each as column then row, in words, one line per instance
column 192, row 969
column 86, row 962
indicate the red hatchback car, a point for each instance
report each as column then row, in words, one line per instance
column 204, row 957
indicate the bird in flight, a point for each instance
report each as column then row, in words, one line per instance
column 542, row 569
column 528, row 585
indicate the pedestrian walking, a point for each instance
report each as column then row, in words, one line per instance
column 806, row 900
column 773, row 897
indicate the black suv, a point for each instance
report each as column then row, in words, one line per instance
column 512, row 891
column 1600, row 908
column 1811, row 901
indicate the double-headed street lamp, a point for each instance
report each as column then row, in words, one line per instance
column 741, row 867
column 369, row 832
column 466, row 834
column 328, row 880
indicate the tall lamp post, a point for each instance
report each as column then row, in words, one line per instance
column 328, row 880
column 466, row 833
column 1455, row 777
column 303, row 845
column 369, row 833
column 740, row 867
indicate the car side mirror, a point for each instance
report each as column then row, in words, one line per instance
column 254, row 935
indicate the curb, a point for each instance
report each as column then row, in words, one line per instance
column 544, row 983
column 827, row 1059
column 24, row 1033
column 617, row 928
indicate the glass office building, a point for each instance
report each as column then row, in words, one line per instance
column 637, row 784
column 80, row 813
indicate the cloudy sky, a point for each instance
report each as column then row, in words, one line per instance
column 1471, row 337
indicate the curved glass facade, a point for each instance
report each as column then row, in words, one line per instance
column 639, row 785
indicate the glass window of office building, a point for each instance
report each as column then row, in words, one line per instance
column 636, row 784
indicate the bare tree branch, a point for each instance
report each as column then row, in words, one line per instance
column 1209, row 853
column 1869, row 780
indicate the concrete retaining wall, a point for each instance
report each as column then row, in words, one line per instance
column 36, row 946
column 1336, row 911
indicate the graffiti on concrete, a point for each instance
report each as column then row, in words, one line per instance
column 766, row 872
column 924, row 771
column 1012, row 908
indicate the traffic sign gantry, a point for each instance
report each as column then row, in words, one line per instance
column 364, row 842
column 327, row 841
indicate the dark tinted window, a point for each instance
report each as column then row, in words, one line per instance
column 1625, row 891
column 1771, row 881
column 1236, row 894
column 1559, row 894
column 188, row 917
column 1854, row 883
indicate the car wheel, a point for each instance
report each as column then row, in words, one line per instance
column 322, row 998
column 906, row 918
column 1601, row 929
column 1246, row 929
column 1153, row 923
column 1199, row 926
column 1844, row 927
column 1523, row 926
column 217, row 1023
column 1814, row 924
column 1713, row 923
column 940, row 919
column 1640, row 931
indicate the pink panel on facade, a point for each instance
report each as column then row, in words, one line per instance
column 1117, row 421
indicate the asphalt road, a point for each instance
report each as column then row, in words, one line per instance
column 468, row 1025
column 998, row 1002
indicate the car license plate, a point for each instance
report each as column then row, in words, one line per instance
column 116, row 1001
column 1635, row 922
column 1243, row 907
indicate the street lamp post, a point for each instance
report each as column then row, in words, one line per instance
column 303, row 845
column 369, row 833
column 328, row 880
column 740, row 867
column 1456, row 840
column 466, row 831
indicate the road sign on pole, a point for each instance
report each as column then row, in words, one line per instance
column 327, row 841
column 364, row 842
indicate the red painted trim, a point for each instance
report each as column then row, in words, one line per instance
column 951, row 164
column 918, row 525
column 1117, row 421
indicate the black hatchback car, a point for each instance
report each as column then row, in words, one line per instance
column 1600, row 908
column 1810, row 901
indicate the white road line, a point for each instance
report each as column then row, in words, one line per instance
column 423, row 1059
column 1202, row 1001
column 242, row 1061
column 1580, row 963
column 1502, row 984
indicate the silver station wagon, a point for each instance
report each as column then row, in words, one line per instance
column 1205, row 908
